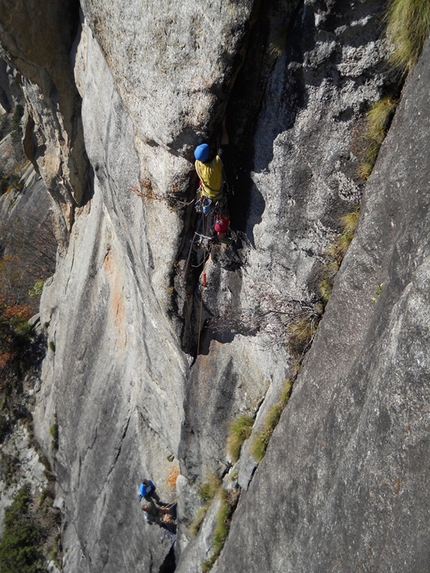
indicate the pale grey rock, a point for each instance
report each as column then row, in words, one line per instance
column 302, row 179
column 303, row 176
column 52, row 568
column 7, row 154
column 123, row 283
column 172, row 66
column 199, row 548
column 53, row 137
column 121, row 160
column 27, row 207
column 344, row 483
column 121, row 377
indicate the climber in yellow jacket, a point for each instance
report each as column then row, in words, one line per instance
column 210, row 169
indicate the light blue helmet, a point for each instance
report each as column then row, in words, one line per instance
column 201, row 152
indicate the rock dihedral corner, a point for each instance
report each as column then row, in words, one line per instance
column 152, row 80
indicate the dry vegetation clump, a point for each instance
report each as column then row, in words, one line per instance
column 261, row 439
column 174, row 199
column 240, row 430
column 370, row 134
column 301, row 332
column 408, row 27
column 335, row 253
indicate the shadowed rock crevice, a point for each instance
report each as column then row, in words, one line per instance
column 169, row 564
column 264, row 44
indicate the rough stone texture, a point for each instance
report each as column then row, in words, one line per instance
column 344, row 485
column 301, row 178
column 123, row 376
column 6, row 99
column 119, row 373
column 36, row 40
column 121, row 161
column 172, row 66
column 200, row 546
column 27, row 207
column 115, row 428
column 7, row 154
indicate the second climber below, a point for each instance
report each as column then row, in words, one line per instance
column 211, row 195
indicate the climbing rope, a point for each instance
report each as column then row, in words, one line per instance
column 205, row 258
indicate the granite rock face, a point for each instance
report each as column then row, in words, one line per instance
column 344, row 484
column 36, row 41
column 147, row 367
column 292, row 181
column 172, row 67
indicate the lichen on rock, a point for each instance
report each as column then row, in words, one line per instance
column 150, row 362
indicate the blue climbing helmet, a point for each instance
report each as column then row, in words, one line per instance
column 144, row 490
column 201, row 152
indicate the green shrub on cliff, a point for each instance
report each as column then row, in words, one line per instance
column 19, row 551
column 408, row 27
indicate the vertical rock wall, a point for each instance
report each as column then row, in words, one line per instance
column 36, row 39
column 293, row 175
column 122, row 378
column 117, row 367
column 344, row 484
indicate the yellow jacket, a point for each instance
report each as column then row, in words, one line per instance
column 211, row 176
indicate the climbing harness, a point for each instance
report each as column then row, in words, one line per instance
column 203, row 204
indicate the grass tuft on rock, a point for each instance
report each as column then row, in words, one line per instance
column 198, row 519
column 223, row 519
column 369, row 138
column 210, row 487
column 349, row 220
column 261, row 439
column 301, row 332
column 53, row 430
column 335, row 253
column 207, row 492
column 240, row 430
column 408, row 27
